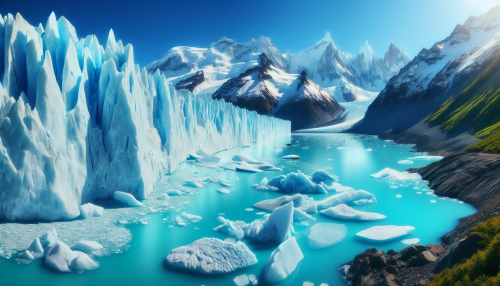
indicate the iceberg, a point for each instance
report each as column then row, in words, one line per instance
column 301, row 202
column 234, row 228
column 87, row 118
column 393, row 175
column 127, row 198
column 320, row 182
column 241, row 280
column 275, row 227
column 90, row 210
column 83, row 263
column 87, row 246
column 283, row 261
column 385, row 233
column 406, row 162
column 294, row 157
column 326, row 234
column 224, row 191
column 27, row 255
column 191, row 218
column 245, row 158
column 212, row 256
column 345, row 212
column 350, row 197
column 62, row 258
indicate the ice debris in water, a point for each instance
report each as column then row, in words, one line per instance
column 390, row 174
column 299, row 214
column 430, row 158
column 87, row 246
column 253, row 279
column 405, row 162
column 295, row 157
column 369, row 150
column 245, row 158
column 212, row 256
column 90, row 210
column 241, row 280
column 234, row 228
column 350, row 197
column 410, row 241
column 345, row 212
column 283, row 261
column 320, row 182
column 303, row 202
column 399, row 196
column 307, row 283
column 275, row 227
column 163, row 197
column 385, row 232
column 127, row 198
column 224, row 191
column 191, row 218
column 326, row 234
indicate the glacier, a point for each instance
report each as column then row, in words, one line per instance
column 80, row 121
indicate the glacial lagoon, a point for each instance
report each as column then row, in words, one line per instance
column 140, row 261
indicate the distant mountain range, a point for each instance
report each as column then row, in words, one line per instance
column 255, row 75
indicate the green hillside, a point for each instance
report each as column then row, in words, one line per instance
column 477, row 107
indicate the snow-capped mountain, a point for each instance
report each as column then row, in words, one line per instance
column 337, row 72
column 79, row 121
column 271, row 91
column 308, row 105
column 435, row 75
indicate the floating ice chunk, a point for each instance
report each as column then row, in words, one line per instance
column 299, row 214
column 224, row 191
column 406, row 162
column 321, row 176
column 264, row 181
column 25, row 255
column 399, row 196
column 433, row 201
column 295, row 157
column 348, row 197
column 326, row 234
column 212, row 256
column 127, row 198
column 262, row 188
column 307, row 283
column 83, row 263
column 320, row 182
column 283, row 261
column 303, row 202
column 232, row 228
column 163, row 197
column 245, row 158
column 87, row 246
column 245, row 167
column 194, row 183
column 90, row 210
column 255, row 186
column 275, row 227
column 390, row 174
column 385, row 232
column 410, row 241
column 225, row 184
column 369, row 150
column 249, row 210
column 191, row 218
column 345, row 212
column 180, row 221
column 430, row 158
column 394, row 187
column 241, row 280
column 60, row 256
column 36, row 248
column 253, row 279
column 419, row 193
column 174, row 193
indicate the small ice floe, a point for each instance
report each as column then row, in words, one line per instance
column 241, row 280
column 253, row 279
column 394, row 187
column 399, row 196
column 307, row 283
column 225, row 184
column 249, row 210
column 163, row 197
column 127, row 198
column 392, row 175
column 345, row 212
column 245, row 158
column 429, row 158
column 326, row 234
column 433, row 201
column 329, row 159
column 350, row 197
column 194, row 183
column 319, row 182
column 234, row 228
column 302, row 202
column 191, row 218
column 405, row 162
column 90, row 210
column 283, row 261
column 299, row 214
column 87, row 246
column 385, row 232
column 410, row 241
column 369, row 150
column 224, row 191
column 294, row 157
column 174, row 193
column 419, row 193
column 224, row 256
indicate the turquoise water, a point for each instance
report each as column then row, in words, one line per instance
column 143, row 263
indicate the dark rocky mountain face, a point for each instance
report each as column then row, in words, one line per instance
column 260, row 98
column 192, row 82
column 308, row 106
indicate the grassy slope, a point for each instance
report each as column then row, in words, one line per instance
column 483, row 267
column 480, row 109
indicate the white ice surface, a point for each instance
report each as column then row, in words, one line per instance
column 283, row 261
column 386, row 232
column 345, row 212
column 326, row 234
column 393, row 175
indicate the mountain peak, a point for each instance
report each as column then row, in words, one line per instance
column 223, row 40
column 327, row 36
column 327, row 39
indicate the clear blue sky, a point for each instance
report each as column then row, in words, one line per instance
column 153, row 27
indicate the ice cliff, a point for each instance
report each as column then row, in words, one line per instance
column 79, row 121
